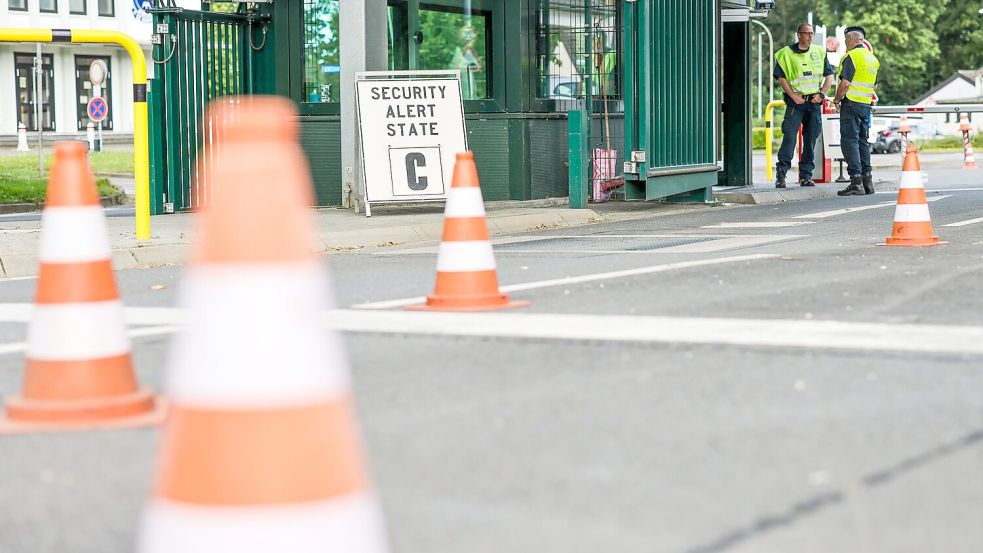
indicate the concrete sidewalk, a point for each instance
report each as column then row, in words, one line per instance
column 339, row 230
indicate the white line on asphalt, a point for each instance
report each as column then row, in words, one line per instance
column 14, row 279
column 835, row 212
column 837, row 335
column 142, row 332
column 583, row 278
column 760, row 224
column 936, row 190
column 812, row 334
column 966, row 222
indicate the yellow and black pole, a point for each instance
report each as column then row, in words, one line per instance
column 141, row 142
column 770, row 136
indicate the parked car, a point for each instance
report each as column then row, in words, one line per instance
column 889, row 140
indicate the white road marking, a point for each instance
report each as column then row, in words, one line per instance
column 142, row 332
column 582, row 279
column 19, row 230
column 760, row 224
column 812, row 334
column 710, row 243
column 835, row 212
column 966, row 222
column 14, row 279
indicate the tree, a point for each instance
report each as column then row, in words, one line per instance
column 960, row 30
column 904, row 38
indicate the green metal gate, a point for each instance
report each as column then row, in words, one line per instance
column 672, row 98
column 198, row 56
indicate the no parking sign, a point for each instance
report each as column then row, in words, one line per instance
column 98, row 109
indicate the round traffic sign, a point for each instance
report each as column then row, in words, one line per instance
column 97, row 72
column 97, row 109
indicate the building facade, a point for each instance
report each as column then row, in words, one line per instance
column 65, row 87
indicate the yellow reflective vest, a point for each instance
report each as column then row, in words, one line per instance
column 803, row 71
column 865, row 66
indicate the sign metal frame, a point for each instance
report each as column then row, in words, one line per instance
column 409, row 76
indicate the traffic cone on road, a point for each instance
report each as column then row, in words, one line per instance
column 969, row 160
column 260, row 452
column 79, row 369
column 912, row 222
column 466, row 275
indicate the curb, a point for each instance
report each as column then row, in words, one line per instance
column 106, row 201
column 176, row 253
column 775, row 195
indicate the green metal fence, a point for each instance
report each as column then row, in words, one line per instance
column 198, row 57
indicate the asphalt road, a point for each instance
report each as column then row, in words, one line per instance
column 727, row 379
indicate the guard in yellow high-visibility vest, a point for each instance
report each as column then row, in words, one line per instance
column 805, row 75
column 854, row 95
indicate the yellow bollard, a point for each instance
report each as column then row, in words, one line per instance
column 770, row 136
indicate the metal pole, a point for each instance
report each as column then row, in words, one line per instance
column 760, row 55
column 771, row 52
column 38, row 67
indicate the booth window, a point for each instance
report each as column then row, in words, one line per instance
column 106, row 8
column 575, row 57
column 322, row 59
column 76, row 7
column 448, row 34
column 17, row 5
column 48, row 6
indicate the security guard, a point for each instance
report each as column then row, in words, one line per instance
column 854, row 95
column 805, row 74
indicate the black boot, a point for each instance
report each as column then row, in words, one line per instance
column 807, row 182
column 856, row 187
column 780, row 179
column 868, row 181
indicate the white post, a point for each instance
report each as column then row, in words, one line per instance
column 38, row 67
column 363, row 48
column 761, row 112
column 90, row 135
column 22, row 138
column 97, row 93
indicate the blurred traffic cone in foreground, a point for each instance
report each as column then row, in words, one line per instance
column 79, row 369
column 969, row 160
column 466, row 275
column 912, row 222
column 260, row 452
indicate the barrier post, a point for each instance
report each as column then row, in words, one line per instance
column 577, row 155
column 770, row 136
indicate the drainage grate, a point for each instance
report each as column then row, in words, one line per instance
column 601, row 243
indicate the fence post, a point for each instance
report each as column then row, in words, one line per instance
column 577, row 157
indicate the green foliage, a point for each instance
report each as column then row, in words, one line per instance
column 960, row 30
column 19, row 181
column 904, row 39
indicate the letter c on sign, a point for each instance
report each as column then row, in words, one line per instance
column 413, row 161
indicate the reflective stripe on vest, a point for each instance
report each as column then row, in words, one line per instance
column 804, row 71
column 864, row 77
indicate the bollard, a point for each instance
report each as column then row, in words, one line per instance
column 904, row 130
column 22, row 138
column 90, row 136
column 969, row 160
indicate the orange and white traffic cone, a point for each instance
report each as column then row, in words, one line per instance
column 466, row 275
column 260, row 451
column 79, row 369
column 969, row 160
column 912, row 222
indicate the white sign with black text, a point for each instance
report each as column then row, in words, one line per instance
column 411, row 127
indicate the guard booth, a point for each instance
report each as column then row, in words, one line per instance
column 661, row 84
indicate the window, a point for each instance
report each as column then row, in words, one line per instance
column 24, row 79
column 571, row 54
column 449, row 38
column 106, row 8
column 84, row 90
column 17, row 5
column 48, row 6
column 76, row 7
column 322, row 60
